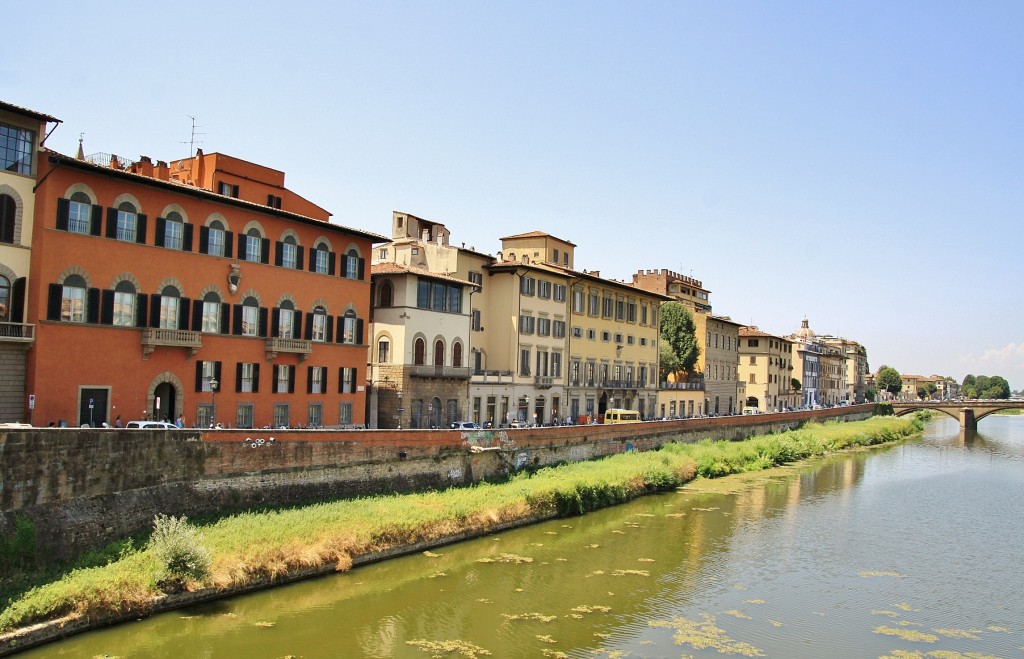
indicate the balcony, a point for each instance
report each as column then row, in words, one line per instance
column 483, row 377
column 17, row 333
column 153, row 338
column 300, row 347
column 444, row 372
column 543, row 381
column 687, row 386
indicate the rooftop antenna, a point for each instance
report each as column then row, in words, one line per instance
column 192, row 140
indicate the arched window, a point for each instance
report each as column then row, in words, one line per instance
column 286, row 320
column 79, row 212
column 8, row 213
column 72, row 306
column 419, row 352
column 352, row 264
column 211, row 313
column 439, row 353
column 215, row 239
column 5, row 299
column 169, row 305
column 250, row 316
column 124, row 304
column 126, row 222
column 321, row 258
column 387, row 294
column 289, row 252
column 457, row 355
column 319, row 324
column 174, row 230
column 384, row 351
column 253, row 245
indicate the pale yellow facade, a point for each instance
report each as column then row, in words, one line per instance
column 766, row 367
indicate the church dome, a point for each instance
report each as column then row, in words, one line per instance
column 805, row 333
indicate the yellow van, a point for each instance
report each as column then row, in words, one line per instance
column 621, row 416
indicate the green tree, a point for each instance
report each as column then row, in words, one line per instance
column 889, row 380
column 795, row 384
column 678, row 337
column 969, row 389
column 996, row 387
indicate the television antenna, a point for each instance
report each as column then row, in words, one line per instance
column 192, row 139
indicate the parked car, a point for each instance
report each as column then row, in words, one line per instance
column 465, row 425
column 151, row 425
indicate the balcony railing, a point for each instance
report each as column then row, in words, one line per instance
column 152, row 338
column 543, row 381
column 447, row 372
column 300, row 347
column 17, row 333
column 691, row 386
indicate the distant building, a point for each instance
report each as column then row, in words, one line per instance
column 820, row 367
column 766, row 366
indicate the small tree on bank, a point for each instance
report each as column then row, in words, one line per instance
column 179, row 551
column 889, row 380
column 678, row 343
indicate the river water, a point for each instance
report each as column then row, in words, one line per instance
column 913, row 548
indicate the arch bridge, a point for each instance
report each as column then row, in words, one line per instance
column 967, row 412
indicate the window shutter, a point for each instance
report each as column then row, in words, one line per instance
column 236, row 327
column 17, row 305
column 199, row 375
column 323, row 382
column 331, row 263
column 275, row 322
column 161, row 228
column 92, row 305
column 278, row 253
column 241, row 247
column 312, row 259
column 204, row 240
column 186, row 243
column 225, row 317
column 229, row 243
column 63, row 213
column 343, row 265
column 359, row 331
column 111, row 223
column 297, row 322
column 141, row 306
column 154, row 310
column 291, row 379
column 309, row 379
column 255, row 378
column 298, row 257
column 341, row 379
column 183, row 308
column 197, row 316
column 309, row 327
column 54, row 298
column 107, row 307
column 329, row 332
column 238, row 377
column 262, row 331
column 264, row 250
column 140, row 229
column 95, row 220
column 361, row 268
column 216, row 374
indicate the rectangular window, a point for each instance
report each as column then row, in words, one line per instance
column 527, row 285
column 250, row 320
column 16, row 146
column 643, row 314
column 607, row 307
column 348, row 380
column 78, row 216
column 253, row 251
column 173, row 234
column 72, row 308
column 544, row 327
column 281, row 416
column 319, row 327
column 559, row 293
column 524, row 361
column 526, row 324
column 556, row 364
column 316, row 379
column 348, row 334
column 215, row 242
column 544, row 289
column 285, row 323
column 475, row 320
column 315, row 415
column 618, row 338
column 620, row 310
column 168, row 312
column 273, row 201
column 283, row 380
column 574, row 374
column 578, row 301
column 594, row 304
column 289, row 257
column 207, row 376
column 631, row 312
column 345, row 414
column 423, row 294
column 592, row 334
column 383, row 351
column 606, row 335
column 558, row 329
column 244, row 415
column 478, row 279
column 321, row 261
column 248, row 381
column 126, row 226
column 577, row 332
column 211, row 317
column 227, row 190
column 124, row 309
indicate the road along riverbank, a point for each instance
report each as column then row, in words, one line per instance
column 259, row 549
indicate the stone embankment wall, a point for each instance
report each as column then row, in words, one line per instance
column 84, row 488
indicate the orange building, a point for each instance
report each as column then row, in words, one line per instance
column 201, row 288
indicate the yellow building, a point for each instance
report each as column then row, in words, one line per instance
column 766, row 366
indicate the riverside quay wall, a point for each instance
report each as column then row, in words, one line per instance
column 83, row 488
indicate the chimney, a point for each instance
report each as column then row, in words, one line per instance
column 144, row 166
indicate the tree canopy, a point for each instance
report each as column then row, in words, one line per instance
column 984, row 386
column 678, row 345
column 889, row 380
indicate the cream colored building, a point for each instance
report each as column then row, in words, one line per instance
column 820, row 367
column 856, row 367
column 720, row 362
column 766, row 366
column 22, row 131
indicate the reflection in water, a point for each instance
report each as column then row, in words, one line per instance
column 921, row 539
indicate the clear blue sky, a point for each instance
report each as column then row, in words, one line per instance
column 856, row 163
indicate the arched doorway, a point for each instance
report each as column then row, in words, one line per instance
column 165, row 403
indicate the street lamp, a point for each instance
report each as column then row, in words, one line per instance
column 213, row 403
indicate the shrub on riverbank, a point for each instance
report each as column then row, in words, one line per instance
column 267, row 544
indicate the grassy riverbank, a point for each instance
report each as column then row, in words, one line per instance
column 253, row 547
